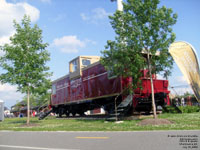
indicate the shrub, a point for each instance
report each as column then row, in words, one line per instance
column 189, row 109
column 170, row 109
column 183, row 109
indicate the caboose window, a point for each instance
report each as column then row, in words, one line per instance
column 53, row 89
column 74, row 65
column 86, row 62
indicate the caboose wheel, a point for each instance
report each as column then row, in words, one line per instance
column 81, row 113
column 67, row 114
column 73, row 114
column 60, row 113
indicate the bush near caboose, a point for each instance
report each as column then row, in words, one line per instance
column 189, row 109
column 183, row 109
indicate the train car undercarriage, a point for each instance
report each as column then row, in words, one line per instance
column 124, row 108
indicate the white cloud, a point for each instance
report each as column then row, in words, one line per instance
column 179, row 85
column 71, row 43
column 180, row 90
column 59, row 17
column 4, row 39
column 182, row 79
column 7, row 88
column 96, row 15
column 177, row 81
column 10, row 12
column 159, row 76
column 90, row 42
column 100, row 13
column 9, row 95
column 84, row 17
column 46, row 1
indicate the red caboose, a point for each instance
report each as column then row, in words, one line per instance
column 89, row 86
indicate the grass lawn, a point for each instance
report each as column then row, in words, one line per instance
column 189, row 121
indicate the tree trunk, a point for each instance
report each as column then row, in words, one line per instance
column 28, row 107
column 152, row 87
column 153, row 99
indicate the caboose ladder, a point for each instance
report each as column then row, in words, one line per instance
column 122, row 108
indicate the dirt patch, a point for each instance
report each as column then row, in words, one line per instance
column 154, row 122
column 30, row 125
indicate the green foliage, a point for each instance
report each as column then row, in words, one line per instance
column 184, row 109
column 142, row 28
column 38, row 100
column 187, row 94
column 170, row 109
column 25, row 59
column 189, row 109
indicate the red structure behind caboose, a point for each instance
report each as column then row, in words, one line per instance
column 89, row 86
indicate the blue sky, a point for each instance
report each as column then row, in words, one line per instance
column 81, row 27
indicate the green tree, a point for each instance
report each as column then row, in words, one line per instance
column 40, row 97
column 187, row 94
column 25, row 60
column 142, row 29
column 37, row 100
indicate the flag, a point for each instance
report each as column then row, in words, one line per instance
column 185, row 57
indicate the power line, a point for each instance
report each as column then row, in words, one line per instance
column 178, row 86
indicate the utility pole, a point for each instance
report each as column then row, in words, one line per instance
column 120, row 8
column 119, row 5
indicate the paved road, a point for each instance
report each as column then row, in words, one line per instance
column 150, row 140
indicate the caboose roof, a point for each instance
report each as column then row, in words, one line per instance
column 61, row 78
column 82, row 56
